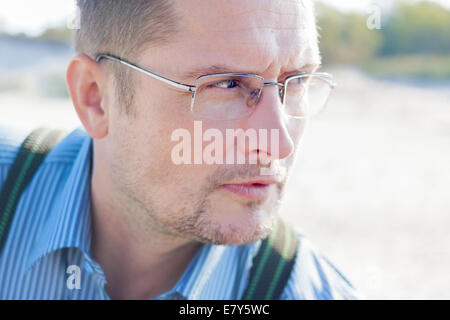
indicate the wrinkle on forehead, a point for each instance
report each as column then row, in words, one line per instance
column 246, row 16
column 263, row 32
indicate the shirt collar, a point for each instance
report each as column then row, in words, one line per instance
column 69, row 220
column 197, row 275
column 200, row 277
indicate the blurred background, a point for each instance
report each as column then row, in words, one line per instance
column 371, row 188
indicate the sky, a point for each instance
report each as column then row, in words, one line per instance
column 32, row 17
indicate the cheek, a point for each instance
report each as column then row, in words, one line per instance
column 148, row 146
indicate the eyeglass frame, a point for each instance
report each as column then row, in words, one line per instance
column 327, row 77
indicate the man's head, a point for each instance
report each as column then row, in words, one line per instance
column 182, row 40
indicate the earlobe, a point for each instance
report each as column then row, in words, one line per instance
column 87, row 86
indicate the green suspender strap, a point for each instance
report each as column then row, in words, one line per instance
column 273, row 264
column 30, row 156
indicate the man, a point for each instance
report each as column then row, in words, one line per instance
column 111, row 214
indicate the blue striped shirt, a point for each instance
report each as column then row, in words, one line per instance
column 47, row 252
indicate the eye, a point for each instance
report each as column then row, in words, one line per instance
column 297, row 81
column 300, row 82
column 226, row 84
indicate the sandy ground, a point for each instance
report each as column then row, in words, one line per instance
column 370, row 188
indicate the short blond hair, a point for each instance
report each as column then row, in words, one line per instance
column 123, row 28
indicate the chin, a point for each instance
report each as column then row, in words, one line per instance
column 227, row 220
column 237, row 227
column 232, row 237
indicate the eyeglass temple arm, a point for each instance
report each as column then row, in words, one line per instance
column 175, row 84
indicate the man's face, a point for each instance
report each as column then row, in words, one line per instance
column 273, row 39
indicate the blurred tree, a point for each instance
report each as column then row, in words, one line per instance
column 60, row 34
column 418, row 28
column 344, row 37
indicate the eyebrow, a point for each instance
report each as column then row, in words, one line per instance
column 211, row 70
column 195, row 73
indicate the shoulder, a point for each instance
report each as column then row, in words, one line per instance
column 11, row 138
column 50, row 176
column 315, row 277
column 57, row 163
column 43, row 200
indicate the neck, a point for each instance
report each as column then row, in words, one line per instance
column 139, row 262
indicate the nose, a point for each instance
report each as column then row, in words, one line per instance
column 269, row 120
column 255, row 95
column 279, row 86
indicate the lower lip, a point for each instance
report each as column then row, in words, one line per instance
column 249, row 191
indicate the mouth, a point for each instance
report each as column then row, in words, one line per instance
column 251, row 190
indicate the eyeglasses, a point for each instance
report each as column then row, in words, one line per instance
column 233, row 96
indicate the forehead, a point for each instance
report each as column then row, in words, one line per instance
column 256, row 34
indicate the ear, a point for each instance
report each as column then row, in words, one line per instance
column 87, row 86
